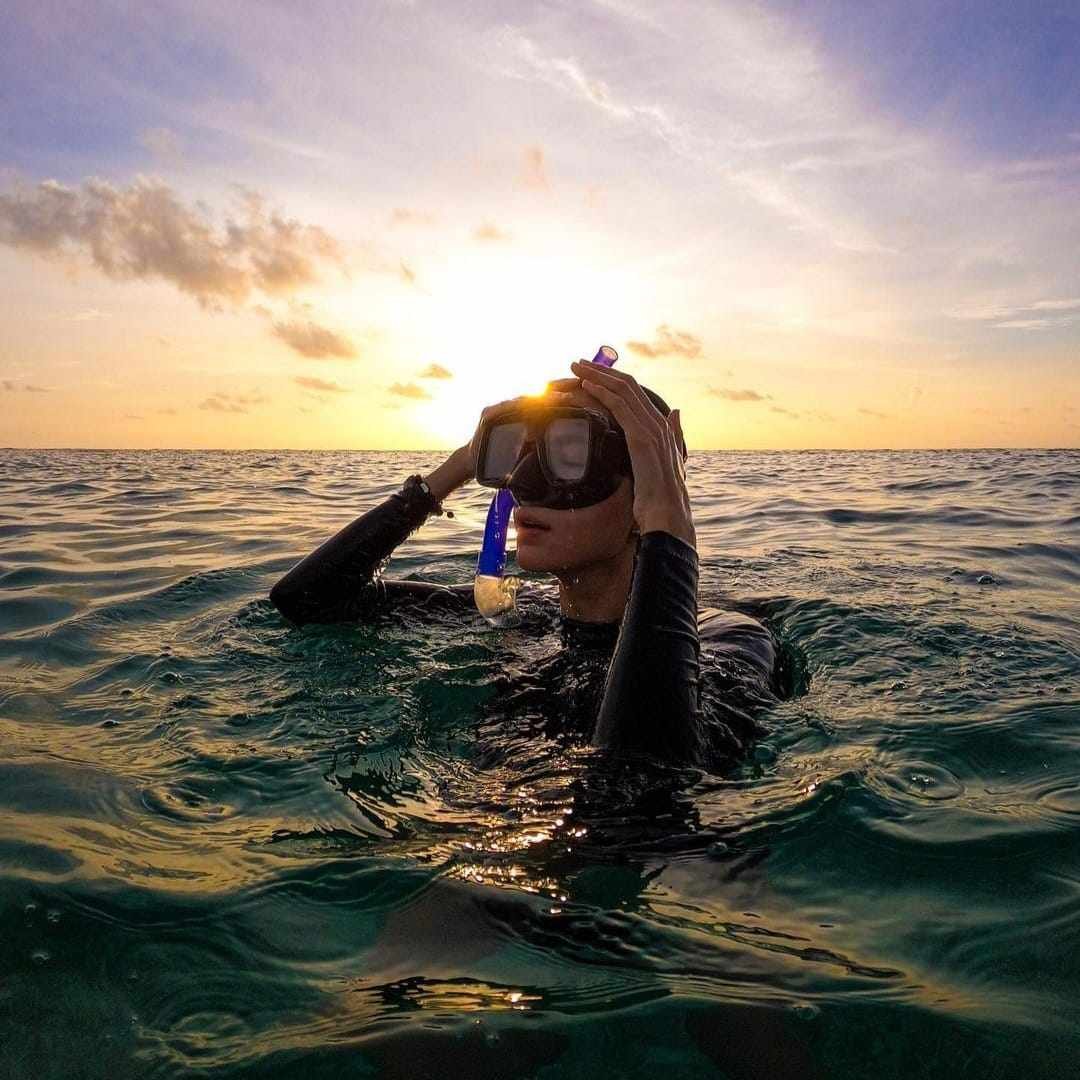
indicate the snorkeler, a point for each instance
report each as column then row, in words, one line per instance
column 597, row 468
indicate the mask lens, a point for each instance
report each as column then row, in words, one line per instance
column 503, row 450
column 567, row 445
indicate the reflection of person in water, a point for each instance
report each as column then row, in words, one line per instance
column 596, row 466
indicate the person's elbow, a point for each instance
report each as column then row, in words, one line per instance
column 286, row 598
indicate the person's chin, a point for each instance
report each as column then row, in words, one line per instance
column 533, row 554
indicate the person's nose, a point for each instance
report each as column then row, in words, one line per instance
column 527, row 482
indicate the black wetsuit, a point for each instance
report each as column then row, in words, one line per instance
column 658, row 697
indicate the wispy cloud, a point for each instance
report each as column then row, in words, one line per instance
column 161, row 142
column 313, row 341
column 1058, row 309
column 875, row 414
column 309, row 382
column 534, row 170
column 145, row 232
column 403, row 215
column 10, row 386
column 668, row 342
column 436, row 371
column 231, row 403
column 782, row 115
column 409, row 390
column 738, row 395
column 784, row 412
column 487, row 233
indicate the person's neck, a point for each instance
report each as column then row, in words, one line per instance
column 598, row 593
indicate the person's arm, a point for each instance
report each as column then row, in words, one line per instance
column 335, row 582
column 651, row 701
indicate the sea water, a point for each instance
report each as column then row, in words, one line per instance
column 230, row 847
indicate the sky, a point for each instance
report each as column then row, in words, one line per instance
column 353, row 225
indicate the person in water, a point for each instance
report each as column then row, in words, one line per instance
column 597, row 468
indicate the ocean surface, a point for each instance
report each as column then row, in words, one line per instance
column 234, row 848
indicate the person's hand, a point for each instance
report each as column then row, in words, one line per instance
column 655, row 441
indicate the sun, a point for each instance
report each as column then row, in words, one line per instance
column 507, row 322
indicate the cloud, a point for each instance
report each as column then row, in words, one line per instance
column 313, row 341
column 407, row 273
column 1029, row 324
column 1056, row 305
column 167, row 412
column 784, row 412
column 876, row 415
column 782, row 107
column 8, row 384
column 402, row 215
column 409, row 390
column 534, row 172
column 144, row 232
column 89, row 315
column 30, row 388
column 738, row 395
column 231, row 403
column 668, row 342
column 490, row 234
column 436, row 371
column 133, row 416
column 310, row 383
column 161, row 142
column 1062, row 312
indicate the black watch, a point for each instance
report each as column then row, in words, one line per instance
column 416, row 487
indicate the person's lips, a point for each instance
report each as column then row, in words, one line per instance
column 528, row 523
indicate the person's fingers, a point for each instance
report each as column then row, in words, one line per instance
column 675, row 420
column 633, row 425
column 626, row 388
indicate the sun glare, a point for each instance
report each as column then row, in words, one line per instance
column 507, row 324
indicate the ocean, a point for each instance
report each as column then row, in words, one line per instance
column 234, row 848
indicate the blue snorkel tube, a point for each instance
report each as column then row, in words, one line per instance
column 493, row 591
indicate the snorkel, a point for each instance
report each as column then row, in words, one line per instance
column 495, row 593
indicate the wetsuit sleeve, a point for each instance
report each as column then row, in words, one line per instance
column 651, row 700
column 335, row 583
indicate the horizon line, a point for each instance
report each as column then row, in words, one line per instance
column 408, row 450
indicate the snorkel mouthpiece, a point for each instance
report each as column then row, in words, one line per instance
column 493, row 591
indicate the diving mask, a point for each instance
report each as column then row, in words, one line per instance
column 558, row 456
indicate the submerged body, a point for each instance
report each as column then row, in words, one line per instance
column 665, row 680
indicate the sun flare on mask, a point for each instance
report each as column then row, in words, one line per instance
column 507, row 323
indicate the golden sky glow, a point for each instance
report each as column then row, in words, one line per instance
column 280, row 238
